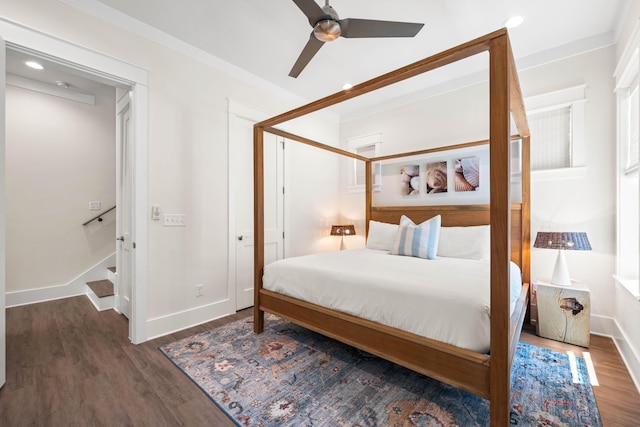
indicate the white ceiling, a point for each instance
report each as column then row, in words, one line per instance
column 266, row 37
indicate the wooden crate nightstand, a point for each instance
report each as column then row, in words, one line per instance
column 563, row 312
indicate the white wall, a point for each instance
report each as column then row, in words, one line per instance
column 626, row 306
column 188, row 171
column 60, row 155
column 585, row 202
column 312, row 182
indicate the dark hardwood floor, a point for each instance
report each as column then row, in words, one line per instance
column 69, row 365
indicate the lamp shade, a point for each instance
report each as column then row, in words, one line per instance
column 571, row 241
column 343, row 230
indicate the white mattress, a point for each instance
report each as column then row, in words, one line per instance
column 446, row 299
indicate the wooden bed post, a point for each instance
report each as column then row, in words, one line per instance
column 368, row 192
column 519, row 114
column 500, row 202
column 258, row 225
column 526, row 209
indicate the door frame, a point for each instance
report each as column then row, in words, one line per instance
column 3, row 246
column 113, row 72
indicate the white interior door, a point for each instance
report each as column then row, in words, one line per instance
column 273, row 206
column 3, row 321
column 124, row 197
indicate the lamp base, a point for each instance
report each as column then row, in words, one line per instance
column 560, row 271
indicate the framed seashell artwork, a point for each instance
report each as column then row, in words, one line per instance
column 436, row 177
column 410, row 180
column 466, row 174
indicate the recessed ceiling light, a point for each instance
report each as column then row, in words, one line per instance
column 514, row 21
column 35, row 65
column 347, row 86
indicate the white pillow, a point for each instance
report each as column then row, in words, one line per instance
column 417, row 240
column 473, row 242
column 381, row 235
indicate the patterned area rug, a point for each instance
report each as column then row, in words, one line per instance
column 289, row 376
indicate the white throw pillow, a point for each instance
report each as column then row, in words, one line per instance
column 417, row 240
column 381, row 235
column 473, row 242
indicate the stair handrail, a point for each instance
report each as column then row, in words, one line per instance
column 99, row 217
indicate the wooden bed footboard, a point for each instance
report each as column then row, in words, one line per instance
column 453, row 365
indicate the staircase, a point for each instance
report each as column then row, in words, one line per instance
column 100, row 292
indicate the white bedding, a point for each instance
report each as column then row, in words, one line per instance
column 446, row 299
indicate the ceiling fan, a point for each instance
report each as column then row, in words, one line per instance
column 327, row 26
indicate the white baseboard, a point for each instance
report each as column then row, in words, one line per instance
column 175, row 322
column 75, row 287
column 607, row 326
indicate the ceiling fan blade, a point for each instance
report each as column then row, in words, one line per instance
column 311, row 9
column 362, row 28
column 312, row 47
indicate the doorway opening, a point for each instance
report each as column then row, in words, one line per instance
column 128, row 79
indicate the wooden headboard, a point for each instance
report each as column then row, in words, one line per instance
column 453, row 216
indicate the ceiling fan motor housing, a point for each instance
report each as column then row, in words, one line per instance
column 328, row 28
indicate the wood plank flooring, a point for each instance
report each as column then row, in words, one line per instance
column 69, row 365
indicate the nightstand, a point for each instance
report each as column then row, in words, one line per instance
column 563, row 312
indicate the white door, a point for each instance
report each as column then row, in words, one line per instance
column 124, row 197
column 242, row 175
column 3, row 321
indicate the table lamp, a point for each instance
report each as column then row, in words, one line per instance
column 562, row 241
column 343, row 230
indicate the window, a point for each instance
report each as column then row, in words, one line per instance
column 557, row 122
column 551, row 136
column 633, row 131
column 366, row 146
column 628, row 110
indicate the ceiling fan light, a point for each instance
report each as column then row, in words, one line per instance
column 327, row 30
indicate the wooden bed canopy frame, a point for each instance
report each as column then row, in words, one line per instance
column 485, row 375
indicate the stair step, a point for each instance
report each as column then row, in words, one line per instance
column 102, row 288
column 111, row 269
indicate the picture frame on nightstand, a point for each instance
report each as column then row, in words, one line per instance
column 563, row 312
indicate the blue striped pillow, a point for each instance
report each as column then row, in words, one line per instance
column 417, row 240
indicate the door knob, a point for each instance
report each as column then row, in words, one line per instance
column 121, row 238
column 240, row 237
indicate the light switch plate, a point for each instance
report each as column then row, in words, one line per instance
column 174, row 220
column 95, row 206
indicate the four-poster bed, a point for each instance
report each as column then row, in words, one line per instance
column 487, row 375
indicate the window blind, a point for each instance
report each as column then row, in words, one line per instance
column 551, row 139
column 359, row 166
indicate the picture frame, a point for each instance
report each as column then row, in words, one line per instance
column 410, row 180
column 466, row 174
column 436, row 177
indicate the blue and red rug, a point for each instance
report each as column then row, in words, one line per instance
column 289, row 376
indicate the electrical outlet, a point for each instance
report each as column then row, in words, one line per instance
column 174, row 220
column 199, row 290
